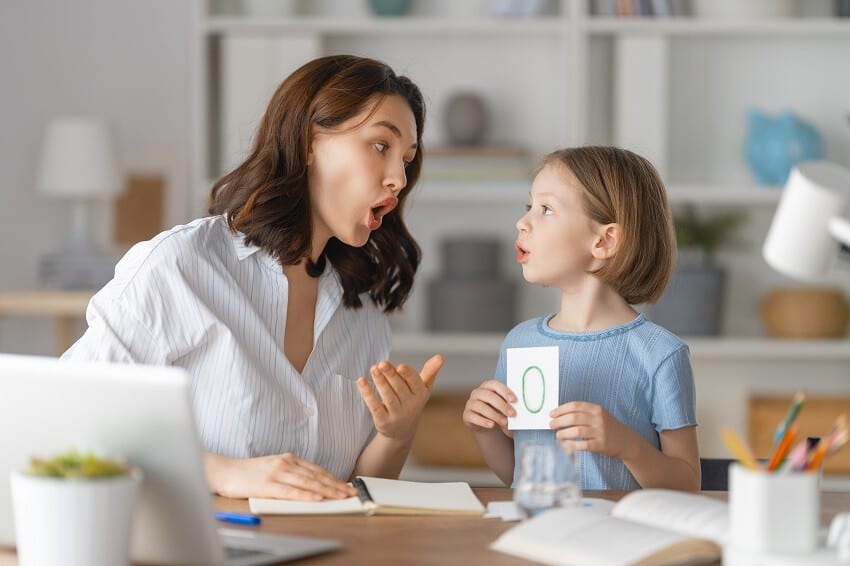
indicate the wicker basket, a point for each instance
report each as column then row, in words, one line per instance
column 442, row 439
column 805, row 312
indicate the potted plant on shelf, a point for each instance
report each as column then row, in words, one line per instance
column 74, row 509
column 693, row 302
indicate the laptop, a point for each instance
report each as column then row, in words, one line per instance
column 143, row 414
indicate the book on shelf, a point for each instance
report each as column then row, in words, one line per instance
column 631, row 8
column 646, row 527
column 476, row 164
column 379, row 496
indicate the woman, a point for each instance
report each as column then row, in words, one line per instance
column 276, row 305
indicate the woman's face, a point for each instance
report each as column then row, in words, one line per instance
column 355, row 174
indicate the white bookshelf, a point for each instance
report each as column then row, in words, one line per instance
column 556, row 81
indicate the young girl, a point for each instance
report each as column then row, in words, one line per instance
column 277, row 303
column 598, row 228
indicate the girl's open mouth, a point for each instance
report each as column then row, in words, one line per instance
column 521, row 253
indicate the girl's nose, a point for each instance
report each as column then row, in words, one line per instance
column 521, row 224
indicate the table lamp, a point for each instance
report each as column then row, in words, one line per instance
column 801, row 241
column 79, row 163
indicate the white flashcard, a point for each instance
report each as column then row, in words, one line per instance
column 534, row 378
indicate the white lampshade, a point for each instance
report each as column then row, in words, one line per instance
column 801, row 242
column 79, row 159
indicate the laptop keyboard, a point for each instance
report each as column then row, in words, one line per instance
column 234, row 552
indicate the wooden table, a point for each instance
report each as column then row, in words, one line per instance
column 64, row 306
column 432, row 540
column 422, row 540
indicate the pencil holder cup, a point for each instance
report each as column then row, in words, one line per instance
column 776, row 513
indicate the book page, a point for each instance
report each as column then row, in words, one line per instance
column 687, row 513
column 350, row 506
column 594, row 538
column 401, row 495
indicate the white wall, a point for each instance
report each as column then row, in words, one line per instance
column 128, row 61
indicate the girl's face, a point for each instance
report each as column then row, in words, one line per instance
column 355, row 175
column 556, row 237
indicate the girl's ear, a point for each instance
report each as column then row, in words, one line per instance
column 607, row 241
column 310, row 156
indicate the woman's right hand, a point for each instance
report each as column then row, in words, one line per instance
column 283, row 476
column 489, row 405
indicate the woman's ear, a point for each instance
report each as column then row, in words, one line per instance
column 310, row 156
column 607, row 241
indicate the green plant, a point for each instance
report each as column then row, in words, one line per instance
column 77, row 465
column 706, row 234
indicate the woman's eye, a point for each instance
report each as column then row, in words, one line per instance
column 407, row 163
column 527, row 207
column 381, row 147
column 546, row 210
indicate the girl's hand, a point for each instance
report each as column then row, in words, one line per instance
column 590, row 427
column 283, row 476
column 489, row 405
column 403, row 394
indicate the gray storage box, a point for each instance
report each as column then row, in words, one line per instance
column 459, row 305
column 471, row 258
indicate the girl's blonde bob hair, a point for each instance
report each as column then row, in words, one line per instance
column 621, row 187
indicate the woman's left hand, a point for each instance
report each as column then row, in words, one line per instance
column 402, row 394
column 587, row 426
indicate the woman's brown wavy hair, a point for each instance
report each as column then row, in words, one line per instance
column 266, row 198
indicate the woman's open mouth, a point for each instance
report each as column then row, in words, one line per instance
column 379, row 210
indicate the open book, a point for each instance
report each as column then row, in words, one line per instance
column 378, row 496
column 646, row 527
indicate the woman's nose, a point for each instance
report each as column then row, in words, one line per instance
column 396, row 178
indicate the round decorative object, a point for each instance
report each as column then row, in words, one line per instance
column 805, row 312
column 466, row 119
column 389, row 7
column 774, row 144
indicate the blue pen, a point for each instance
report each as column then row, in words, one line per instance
column 238, row 518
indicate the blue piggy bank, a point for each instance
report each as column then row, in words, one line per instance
column 774, row 145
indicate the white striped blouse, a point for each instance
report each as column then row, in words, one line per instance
column 197, row 297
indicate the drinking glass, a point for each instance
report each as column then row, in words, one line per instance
column 548, row 477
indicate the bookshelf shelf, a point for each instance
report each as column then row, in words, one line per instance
column 722, row 348
column 384, row 26
column 693, row 27
column 517, row 193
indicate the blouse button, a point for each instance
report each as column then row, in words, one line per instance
column 308, row 411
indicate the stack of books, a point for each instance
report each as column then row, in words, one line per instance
column 476, row 165
column 632, row 8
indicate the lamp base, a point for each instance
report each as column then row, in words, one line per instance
column 76, row 271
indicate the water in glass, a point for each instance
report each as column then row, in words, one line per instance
column 548, row 477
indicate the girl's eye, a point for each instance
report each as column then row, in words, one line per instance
column 381, row 147
column 546, row 210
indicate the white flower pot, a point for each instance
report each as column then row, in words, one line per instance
column 73, row 522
